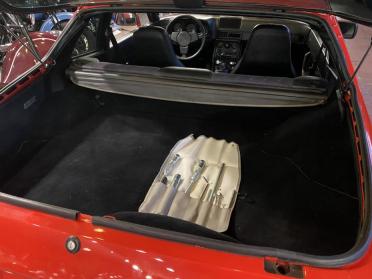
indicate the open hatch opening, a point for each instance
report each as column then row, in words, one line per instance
column 82, row 147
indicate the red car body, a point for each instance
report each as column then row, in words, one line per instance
column 32, row 243
column 18, row 59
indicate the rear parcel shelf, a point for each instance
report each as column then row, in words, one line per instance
column 201, row 86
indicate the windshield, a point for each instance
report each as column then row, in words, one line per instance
column 356, row 10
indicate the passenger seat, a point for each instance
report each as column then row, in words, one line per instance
column 267, row 53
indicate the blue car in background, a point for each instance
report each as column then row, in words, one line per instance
column 56, row 21
column 52, row 21
column 45, row 22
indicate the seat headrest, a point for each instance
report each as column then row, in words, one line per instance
column 152, row 47
column 268, row 52
column 151, row 33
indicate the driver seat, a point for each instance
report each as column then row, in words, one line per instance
column 151, row 46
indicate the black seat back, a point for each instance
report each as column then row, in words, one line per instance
column 268, row 53
column 151, row 46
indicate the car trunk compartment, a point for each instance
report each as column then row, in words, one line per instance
column 99, row 153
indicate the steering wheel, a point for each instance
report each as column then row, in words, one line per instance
column 183, row 37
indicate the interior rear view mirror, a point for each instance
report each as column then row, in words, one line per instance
column 348, row 29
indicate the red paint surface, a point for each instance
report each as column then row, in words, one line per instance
column 32, row 244
column 357, row 48
column 19, row 59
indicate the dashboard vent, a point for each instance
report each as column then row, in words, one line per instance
column 223, row 34
column 234, row 35
column 230, row 35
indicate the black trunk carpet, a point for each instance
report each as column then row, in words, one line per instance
column 107, row 163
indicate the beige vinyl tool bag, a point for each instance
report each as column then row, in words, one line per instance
column 198, row 182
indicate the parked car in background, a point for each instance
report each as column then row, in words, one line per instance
column 98, row 177
column 46, row 22
column 18, row 58
column 44, row 29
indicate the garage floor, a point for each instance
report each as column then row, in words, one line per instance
column 357, row 48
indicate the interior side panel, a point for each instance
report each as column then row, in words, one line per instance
column 17, row 117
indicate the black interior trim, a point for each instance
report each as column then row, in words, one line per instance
column 170, row 223
column 39, row 206
column 191, row 4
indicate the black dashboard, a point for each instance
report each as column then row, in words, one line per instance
column 227, row 35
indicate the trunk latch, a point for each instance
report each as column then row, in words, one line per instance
column 283, row 268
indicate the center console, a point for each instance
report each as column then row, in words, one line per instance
column 226, row 55
column 228, row 45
